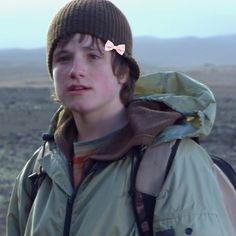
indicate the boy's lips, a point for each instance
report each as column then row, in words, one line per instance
column 74, row 88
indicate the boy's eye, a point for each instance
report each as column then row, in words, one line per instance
column 63, row 58
column 94, row 56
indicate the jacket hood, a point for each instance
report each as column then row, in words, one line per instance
column 185, row 95
column 167, row 106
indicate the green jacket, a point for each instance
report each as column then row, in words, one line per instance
column 189, row 203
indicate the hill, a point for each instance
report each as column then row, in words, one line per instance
column 185, row 52
column 24, row 66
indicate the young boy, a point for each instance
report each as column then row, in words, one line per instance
column 97, row 139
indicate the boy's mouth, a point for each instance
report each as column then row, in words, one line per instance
column 74, row 88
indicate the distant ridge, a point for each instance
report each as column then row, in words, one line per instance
column 17, row 57
column 185, row 52
column 152, row 53
column 22, row 63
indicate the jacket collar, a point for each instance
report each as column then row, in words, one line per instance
column 146, row 119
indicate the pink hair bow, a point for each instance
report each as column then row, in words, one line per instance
column 119, row 48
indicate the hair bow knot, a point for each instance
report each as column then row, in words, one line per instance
column 119, row 48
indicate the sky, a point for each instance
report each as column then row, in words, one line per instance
column 24, row 23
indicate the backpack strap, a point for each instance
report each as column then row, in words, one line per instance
column 228, row 193
column 36, row 181
column 226, row 168
column 38, row 174
column 154, row 166
column 171, row 157
column 147, row 189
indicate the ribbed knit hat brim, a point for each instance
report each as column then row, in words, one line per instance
column 98, row 18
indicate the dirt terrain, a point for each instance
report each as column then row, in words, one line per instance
column 25, row 113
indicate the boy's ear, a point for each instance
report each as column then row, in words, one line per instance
column 123, row 79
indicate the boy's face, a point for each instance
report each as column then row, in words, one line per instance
column 83, row 78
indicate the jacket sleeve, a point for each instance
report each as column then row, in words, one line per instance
column 190, row 201
column 20, row 202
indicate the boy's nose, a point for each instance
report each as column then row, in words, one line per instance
column 77, row 70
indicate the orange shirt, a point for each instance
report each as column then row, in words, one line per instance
column 83, row 150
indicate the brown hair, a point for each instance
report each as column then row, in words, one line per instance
column 120, row 69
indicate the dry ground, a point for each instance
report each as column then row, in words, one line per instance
column 25, row 112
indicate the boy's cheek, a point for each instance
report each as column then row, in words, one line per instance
column 56, row 75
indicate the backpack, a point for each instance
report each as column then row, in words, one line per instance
column 143, row 204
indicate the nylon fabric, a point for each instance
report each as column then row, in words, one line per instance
column 190, row 199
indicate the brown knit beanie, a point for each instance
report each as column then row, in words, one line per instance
column 99, row 18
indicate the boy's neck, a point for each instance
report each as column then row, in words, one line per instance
column 92, row 127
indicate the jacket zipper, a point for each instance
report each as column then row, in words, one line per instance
column 69, row 205
column 70, row 202
column 68, row 217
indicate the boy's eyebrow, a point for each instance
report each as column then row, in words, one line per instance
column 91, row 47
column 59, row 52
column 88, row 48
